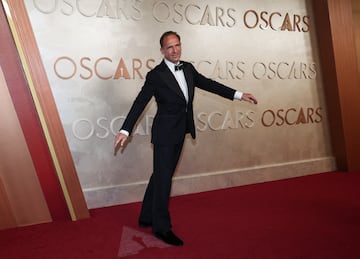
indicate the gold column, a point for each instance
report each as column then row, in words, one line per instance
column 337, row 50
column 46, row 107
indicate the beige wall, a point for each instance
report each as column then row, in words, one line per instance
column 96, row 71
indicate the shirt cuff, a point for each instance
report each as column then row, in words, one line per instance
column 125, row 132
column 238, row 95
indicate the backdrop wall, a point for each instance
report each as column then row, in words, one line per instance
column 97, row 53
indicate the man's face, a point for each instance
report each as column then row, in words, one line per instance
column 171, row 48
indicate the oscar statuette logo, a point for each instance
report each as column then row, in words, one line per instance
column 104, row 68
column 276, row 21
column 292, row 116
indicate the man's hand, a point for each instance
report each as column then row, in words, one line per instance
column 249, row 98
column 120, row 139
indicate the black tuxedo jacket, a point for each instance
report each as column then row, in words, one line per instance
column 174, row 117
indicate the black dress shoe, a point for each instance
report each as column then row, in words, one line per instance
column 144, row 224
column 169, row 237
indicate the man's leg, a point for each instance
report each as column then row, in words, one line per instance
column 145, row 219
column 166, row 159
column 156, row 199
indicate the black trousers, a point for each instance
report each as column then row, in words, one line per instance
column 155, row 206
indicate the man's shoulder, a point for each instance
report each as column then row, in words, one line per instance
column 159, row 67
column 187, row 63
column 156, row 71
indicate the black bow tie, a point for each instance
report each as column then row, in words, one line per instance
column 179, row 67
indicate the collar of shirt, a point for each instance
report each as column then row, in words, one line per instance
column 170, row 65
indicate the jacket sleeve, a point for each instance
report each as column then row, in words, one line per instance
column 212, row 86
column 139, row 104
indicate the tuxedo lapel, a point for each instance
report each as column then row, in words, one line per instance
column 170, row 79
column 189, row 81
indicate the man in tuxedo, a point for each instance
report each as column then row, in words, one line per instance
column 172, row 83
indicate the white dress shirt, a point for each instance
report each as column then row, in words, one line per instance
column 180, row 78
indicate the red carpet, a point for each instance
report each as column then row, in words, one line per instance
column 314, row 216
